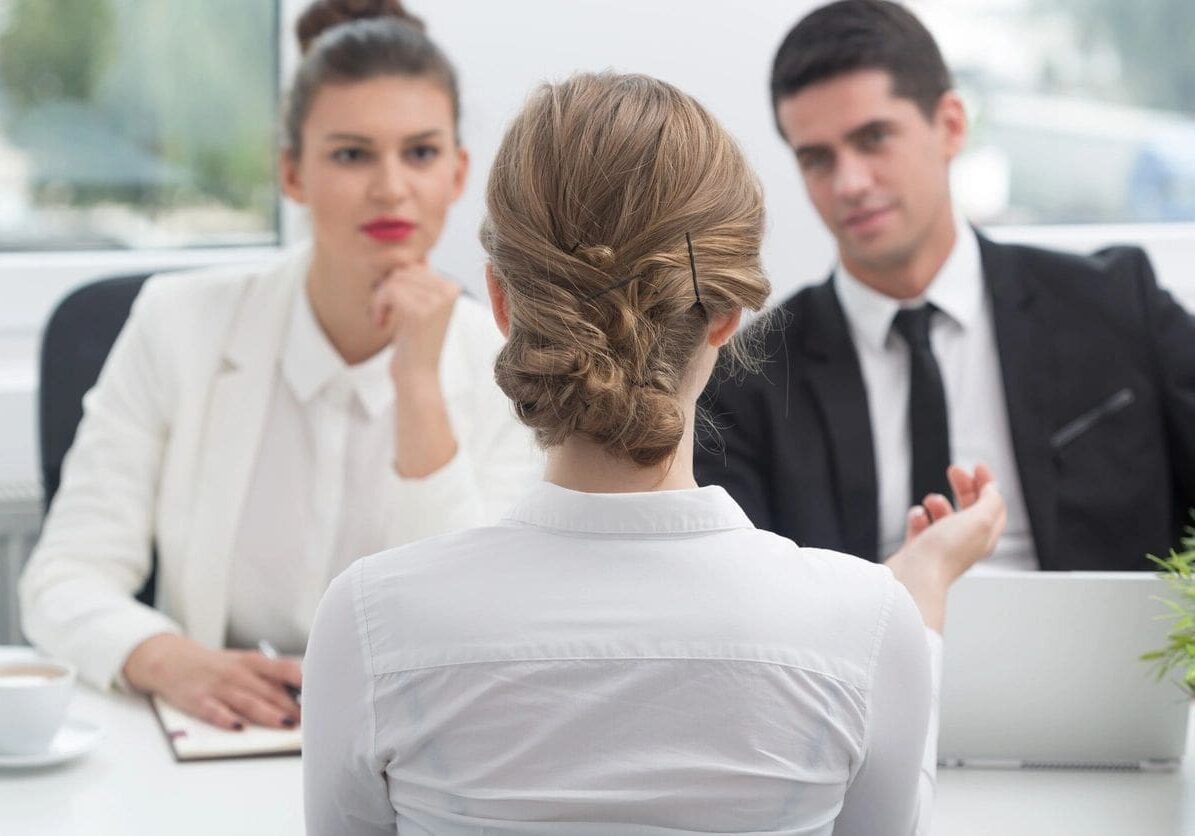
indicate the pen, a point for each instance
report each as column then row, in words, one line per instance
column 267, row 650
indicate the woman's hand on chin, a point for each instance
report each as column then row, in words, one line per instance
column 227, row 688
column 415, row 303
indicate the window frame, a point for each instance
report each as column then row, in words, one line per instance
column 1171, row 244
column 58, row 272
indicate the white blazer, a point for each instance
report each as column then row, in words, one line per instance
column 165, row 452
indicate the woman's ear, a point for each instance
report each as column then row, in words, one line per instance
column 722, row 328
column 288, row 170
column 461, row 174
column 497, row 300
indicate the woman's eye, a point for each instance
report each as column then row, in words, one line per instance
column 349, row 155
column 423, row 153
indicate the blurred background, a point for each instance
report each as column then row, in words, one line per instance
column 141, row 134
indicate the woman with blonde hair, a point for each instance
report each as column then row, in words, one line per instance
column 261, row 427
column 625, row 653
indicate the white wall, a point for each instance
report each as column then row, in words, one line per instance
column 723, row 58
column 719, row 52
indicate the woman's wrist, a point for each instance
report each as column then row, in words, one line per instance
column 417, row 388
column 143, row 668
column 424, row 441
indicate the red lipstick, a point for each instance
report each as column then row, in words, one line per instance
column 388, row 229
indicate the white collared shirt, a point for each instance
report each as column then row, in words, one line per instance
column 618, row 664
column 317, row 499
column 964, row 342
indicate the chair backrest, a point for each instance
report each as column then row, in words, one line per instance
column 75, row 345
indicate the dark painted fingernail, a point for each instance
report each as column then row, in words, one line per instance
column 288, row 722
column 238, row 726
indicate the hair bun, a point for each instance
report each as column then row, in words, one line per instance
column 597, row 256
column 323, row 15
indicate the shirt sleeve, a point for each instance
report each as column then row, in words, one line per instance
column 344, row 779
column 895, row 783
column 76, row 592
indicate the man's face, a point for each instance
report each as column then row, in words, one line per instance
column 875, row 167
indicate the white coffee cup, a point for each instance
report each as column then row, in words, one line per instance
column 34, row 695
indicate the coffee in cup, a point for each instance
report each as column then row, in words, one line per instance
column 34, row 695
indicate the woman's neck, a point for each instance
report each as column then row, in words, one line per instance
column 581, row 465
column 340, row 301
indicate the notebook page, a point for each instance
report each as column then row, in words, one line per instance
column 194, row 739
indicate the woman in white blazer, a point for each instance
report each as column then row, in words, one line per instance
column 263, row 427
column 625, row 653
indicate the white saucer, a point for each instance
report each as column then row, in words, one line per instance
column 75, row 738
column 16, row 653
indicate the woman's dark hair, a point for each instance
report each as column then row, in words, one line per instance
column 346, row 41
column 852, row 35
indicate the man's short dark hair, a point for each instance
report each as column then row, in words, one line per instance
column 852, row 35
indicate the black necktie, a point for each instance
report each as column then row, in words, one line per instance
column 927, row 406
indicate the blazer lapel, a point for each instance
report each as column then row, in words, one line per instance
column 239, row 397
column 832, row 369
column 1021, row 340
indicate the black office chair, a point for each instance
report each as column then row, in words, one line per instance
column 75, row 345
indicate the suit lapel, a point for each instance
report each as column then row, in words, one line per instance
column 832, row 369
column 238, row 399
column 1021, row 340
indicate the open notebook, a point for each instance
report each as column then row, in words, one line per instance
column 195, row 740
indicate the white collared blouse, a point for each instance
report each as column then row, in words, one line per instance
column 641, row 663
column 317, row 498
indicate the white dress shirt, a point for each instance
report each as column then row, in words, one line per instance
column 317, row 498
column 641, row 663
column 964, row 342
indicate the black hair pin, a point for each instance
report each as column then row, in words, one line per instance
column 693, row 269
column 624, row 282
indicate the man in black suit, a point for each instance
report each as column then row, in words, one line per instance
column 1072, row 377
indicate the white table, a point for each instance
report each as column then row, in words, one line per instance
column 130, row 785
column 1041, row 802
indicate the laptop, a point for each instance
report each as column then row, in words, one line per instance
column 1042, row 670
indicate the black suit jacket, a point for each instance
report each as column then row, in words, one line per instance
column 1099, row 377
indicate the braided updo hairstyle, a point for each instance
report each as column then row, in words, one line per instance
column 346, row 41
column 593, row 190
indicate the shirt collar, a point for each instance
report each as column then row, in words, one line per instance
column 310, row 364
column 957, row 291
column 693, row 511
